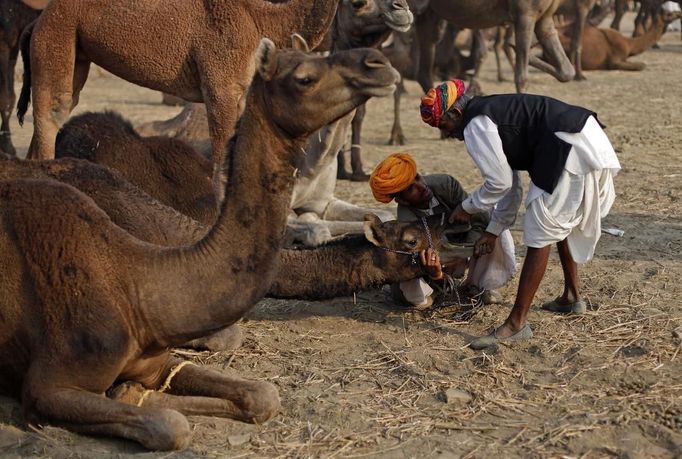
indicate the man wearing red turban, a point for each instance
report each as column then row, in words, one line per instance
column 571, row 164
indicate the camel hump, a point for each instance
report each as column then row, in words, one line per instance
column 36, row 4
column 81, row 136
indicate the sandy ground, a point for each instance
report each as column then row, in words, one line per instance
column 359, row 380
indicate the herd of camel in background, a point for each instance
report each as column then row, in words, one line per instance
column 124, row 247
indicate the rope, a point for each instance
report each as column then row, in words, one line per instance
column 166, row 384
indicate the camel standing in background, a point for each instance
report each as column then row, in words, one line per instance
column 15, row 15
column 195, row 50
column 578, row 10
column 85, row 303
column 316, row 214
column 525, row 16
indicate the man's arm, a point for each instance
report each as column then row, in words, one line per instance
column 485, row 148
column 504, row 214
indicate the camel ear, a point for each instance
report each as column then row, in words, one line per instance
column 36, row 4
column 299, row 43
column 372, row 229
column 266, row 59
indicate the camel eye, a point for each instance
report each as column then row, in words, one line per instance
column 305, row 81
column 412, row 243
column 357, row 4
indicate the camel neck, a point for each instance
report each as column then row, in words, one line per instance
column 648, row 39
column 339, row 269
column 309, row 18
column 189, row 292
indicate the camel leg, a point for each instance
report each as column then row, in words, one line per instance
column 397, row 136
column 523, row 35
column 6, row 97
column 548, row 37
column 227, row 339
column 196, row 390
column 577, row 43
column 358, row 174
column 341, row 172
column 90, row 413
column 80, row 76
column 499, row 43
column 338, row 210
column 426, row 26
column 52, row 80
column 625, row 65
column 479, row 50
column 621, row 6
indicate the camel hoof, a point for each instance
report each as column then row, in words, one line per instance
column 261, row 403
column 579, row 77
column 362, row 177
column 342, row 175
column 168, row 431
column 227, row 339
column 397, row 140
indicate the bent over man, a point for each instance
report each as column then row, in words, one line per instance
column 571, row 164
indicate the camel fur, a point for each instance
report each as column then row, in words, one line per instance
column 317, row 215
column 86, row 303
column 607, row 49
column 199, row 51
column 15, row 15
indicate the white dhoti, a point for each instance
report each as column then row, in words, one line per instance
column 583, row 196
column 416, row 291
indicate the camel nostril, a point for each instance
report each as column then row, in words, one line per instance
column 398, row 5
column 374, row 62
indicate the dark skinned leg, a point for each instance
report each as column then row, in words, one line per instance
column 571, row 288
column 533, row 271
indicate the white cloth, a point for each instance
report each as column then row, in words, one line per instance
column 502, row 190
column 493, row 270
column 416, row 291
column 573, row 212
column 672, row 7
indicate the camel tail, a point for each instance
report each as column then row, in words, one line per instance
column 25, row 95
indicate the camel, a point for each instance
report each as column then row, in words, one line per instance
column 608, row 49
column 340, row 267
column 168, row 169
column 86, row 303
column 14, row 16
column 316, row 214
column 198, row 51
column 526, row 16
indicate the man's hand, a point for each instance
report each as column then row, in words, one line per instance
column 459, row 215
column 431, row 261
column 485, row 244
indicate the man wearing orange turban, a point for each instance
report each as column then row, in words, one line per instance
column 571, row 164
column 396, row 177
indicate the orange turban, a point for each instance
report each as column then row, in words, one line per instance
column 392, row 175
column 439, row 99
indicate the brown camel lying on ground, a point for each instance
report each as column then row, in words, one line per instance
column 200, row 51
column 339, row 268
column 607, row 49
column 86, row 303
column 14, row 16
column 171, row 171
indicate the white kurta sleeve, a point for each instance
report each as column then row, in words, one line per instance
column 504, row 215
column 485, row 147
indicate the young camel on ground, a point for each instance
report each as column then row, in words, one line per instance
column 607, row 49
column 14, row 16
column 196, row 50
column 87, row 304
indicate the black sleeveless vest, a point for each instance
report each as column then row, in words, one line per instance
column 526, row 124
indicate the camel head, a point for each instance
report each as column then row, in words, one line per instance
column 368, row 22
column 305, row 91
column 450, row 242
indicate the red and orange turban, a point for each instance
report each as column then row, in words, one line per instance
column 439, row 99
column 392, row 175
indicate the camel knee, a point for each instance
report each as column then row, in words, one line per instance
column 260, row 403
column 227, row 339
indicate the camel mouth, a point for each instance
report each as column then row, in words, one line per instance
column 380, row 91
column 400, row 21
